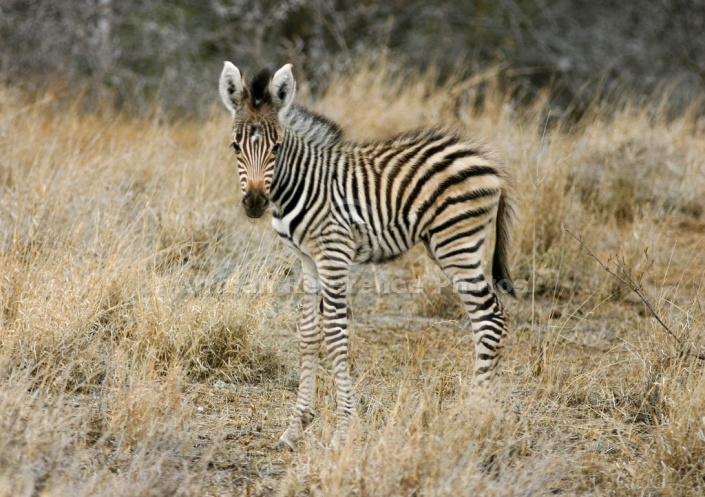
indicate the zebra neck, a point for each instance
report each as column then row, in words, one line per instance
column 311, row 126
column 302, row 170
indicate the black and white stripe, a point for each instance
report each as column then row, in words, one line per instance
column 337, row 203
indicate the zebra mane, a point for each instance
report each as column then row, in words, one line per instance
column 311, row 126
column 259, row 87
column 306, row 124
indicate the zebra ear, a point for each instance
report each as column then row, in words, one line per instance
column 231, row 87
column 283, row 88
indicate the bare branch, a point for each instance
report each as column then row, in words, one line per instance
column 628, row 280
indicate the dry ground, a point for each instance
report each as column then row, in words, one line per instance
column 147, row 328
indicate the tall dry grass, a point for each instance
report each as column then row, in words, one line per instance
column 147, row 327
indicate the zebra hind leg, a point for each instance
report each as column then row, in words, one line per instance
column 462, row 263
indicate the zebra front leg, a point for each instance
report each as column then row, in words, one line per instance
column 334, row 282
column 310, row 338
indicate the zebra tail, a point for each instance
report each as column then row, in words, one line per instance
column 500, row 270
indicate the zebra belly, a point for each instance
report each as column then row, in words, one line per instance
column 372, row 248
column 368, row 246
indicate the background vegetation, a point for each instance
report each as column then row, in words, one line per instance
column 134, row 51
column 147, row 327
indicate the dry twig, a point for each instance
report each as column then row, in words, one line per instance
column 635, row 285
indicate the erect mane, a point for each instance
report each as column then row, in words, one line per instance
column 259, row 87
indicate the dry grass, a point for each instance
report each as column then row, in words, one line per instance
column 147, row 327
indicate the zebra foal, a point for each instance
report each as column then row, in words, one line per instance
column 338, row 203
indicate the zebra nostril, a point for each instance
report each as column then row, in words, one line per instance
column 255, row 203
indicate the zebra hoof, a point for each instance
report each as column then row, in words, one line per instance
column 284, row 443
column 290, row 436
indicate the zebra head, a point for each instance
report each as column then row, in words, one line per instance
column 257, row 131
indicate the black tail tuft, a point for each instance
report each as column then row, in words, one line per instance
column 500, row 271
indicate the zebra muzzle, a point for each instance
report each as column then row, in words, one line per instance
column 255, row 203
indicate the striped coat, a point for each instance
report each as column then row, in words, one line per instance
column 337, row 203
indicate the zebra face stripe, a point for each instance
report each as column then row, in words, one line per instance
column 255, row 145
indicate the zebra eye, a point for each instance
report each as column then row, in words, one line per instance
column 275, row 148
column 236, row 147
